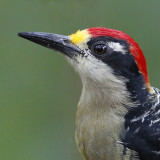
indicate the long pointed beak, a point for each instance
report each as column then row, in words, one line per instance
column 56, row 42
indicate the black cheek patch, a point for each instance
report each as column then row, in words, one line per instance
column 123, row 65
column 116, row 59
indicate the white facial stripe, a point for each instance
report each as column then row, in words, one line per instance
column 91, row 68
column 117, row 47
column 103, row 102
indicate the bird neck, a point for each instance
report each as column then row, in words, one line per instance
column 100, row 119
column 117, row 94
column 98, row 97
column 138, row 89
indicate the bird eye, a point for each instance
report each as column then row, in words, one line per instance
column 100, row 49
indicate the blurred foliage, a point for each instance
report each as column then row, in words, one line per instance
column 39, row 91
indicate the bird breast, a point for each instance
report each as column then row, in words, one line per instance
column 99, row 127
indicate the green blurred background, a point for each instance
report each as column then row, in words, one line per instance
column 39, row 91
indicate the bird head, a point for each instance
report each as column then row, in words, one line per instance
column 101, row 56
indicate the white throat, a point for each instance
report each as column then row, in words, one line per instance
column 101, row 110
column 99, row 83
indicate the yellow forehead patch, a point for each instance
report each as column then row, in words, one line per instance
column 80, row 37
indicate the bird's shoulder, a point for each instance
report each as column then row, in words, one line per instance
column 143, row 127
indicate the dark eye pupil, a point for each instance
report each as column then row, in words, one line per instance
column 100, row 49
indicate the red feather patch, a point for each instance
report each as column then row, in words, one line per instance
column 134, row 47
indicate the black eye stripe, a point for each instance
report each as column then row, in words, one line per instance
column 99, row 48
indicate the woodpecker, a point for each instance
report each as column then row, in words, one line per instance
column 118, row 114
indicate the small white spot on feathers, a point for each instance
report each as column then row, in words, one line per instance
column 146, row 114
column 157, row 112
column 137, row 130
column 157, row 152
column 142, row 117
column 158, row 99
column 117, row 47
column 155, row 121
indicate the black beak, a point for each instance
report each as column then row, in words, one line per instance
column 57, row 42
